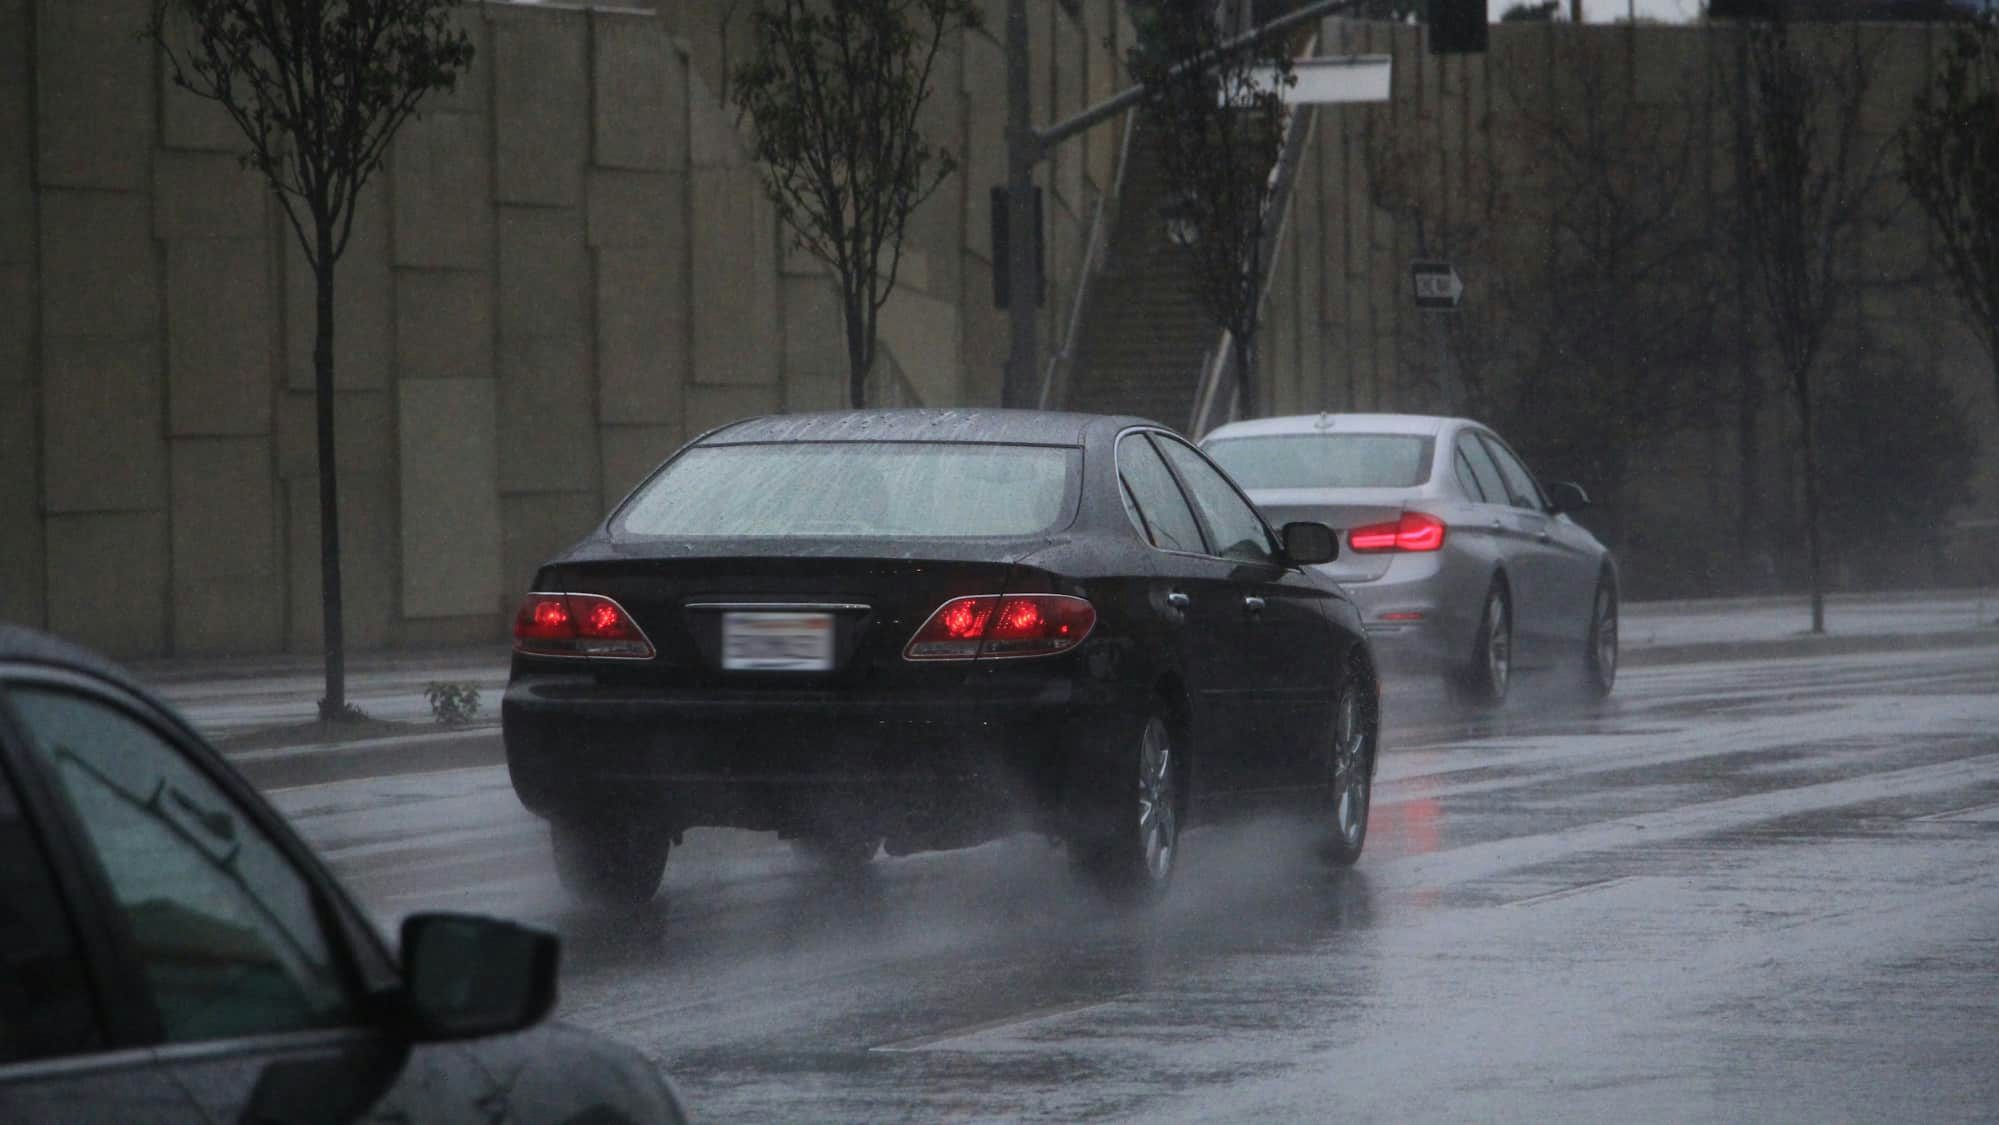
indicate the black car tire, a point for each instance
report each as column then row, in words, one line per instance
column 616, row 864
column 1600, row 655
column 1131, row 860
column 1488, row 672
column 1349, row 769
column 837, row 851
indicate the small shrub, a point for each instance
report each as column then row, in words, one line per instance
column 454, row 704
column 345, row 713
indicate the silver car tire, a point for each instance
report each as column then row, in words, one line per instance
column 1488, row 672
column 1600, row 655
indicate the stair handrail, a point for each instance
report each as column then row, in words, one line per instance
column 1225, row 358
column 1063, row 361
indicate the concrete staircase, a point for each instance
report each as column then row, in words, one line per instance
column 1146, row 335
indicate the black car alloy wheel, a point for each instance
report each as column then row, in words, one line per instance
column 1134, row 861
column 1350, row 769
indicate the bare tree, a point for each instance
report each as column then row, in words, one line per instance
column 1220, row 118
column 1950, row 163
column 1807, row 186
column 833, row 90
column 319, row 89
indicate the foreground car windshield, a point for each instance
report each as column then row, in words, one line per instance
column 927, row 490
column 1326, row 460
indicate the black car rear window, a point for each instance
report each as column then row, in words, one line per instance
column 874, row 490
column 1326, row 460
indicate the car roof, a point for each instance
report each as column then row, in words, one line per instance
column 22, row 645
column 1029, row 427
column 1427, row 425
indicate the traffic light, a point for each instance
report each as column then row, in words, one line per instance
column 1003, row 284
column 1457, row 27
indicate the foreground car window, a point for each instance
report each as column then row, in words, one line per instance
column 1233, row 526
column 875, row 490
column 1326, row 460
column 224, row 927
column 44, row 996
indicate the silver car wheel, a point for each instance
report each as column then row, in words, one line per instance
column 1606, row 634
column 1498, row 643
column 1158, row 816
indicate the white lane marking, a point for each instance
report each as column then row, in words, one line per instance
column 1023, row 1019
column 1578, row 889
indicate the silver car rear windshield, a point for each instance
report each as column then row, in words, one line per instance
column 1326, row 460
column 874, row 490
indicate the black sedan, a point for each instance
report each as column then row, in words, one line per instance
column 928, row 629
column 170, row 952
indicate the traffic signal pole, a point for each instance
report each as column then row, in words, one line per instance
column 1023, row 266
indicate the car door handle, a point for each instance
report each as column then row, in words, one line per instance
column 1545, row 537
column 1178, row 600
column 1253, row 604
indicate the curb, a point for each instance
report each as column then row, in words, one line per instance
column 1794, row 647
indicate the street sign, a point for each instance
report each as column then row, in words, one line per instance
column 1331, row 80
column 1438, row 286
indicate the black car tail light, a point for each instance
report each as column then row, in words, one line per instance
column 585, row 625
column 989, row 626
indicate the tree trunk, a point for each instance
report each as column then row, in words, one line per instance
column 858, row 359
column 1814, row 557
column 1751, row 539
column 1246, row 375
column 334, row 706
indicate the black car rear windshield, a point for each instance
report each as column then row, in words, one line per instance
column 875, row 490
column 1326, row 460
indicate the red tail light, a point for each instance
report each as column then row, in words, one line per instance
column 583, row 625
column 989, row 626
column 1415, row 531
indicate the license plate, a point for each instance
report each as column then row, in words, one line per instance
column 777, row 642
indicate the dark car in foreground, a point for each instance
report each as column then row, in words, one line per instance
column 928, row 629
column 170, row 952
column 1460, row 561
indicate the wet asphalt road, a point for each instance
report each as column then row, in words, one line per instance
column 1738, row 892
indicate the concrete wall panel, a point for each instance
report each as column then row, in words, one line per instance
column 922, row 334
column 17, row 323
column 450, row 507
column 537, row 528
column 21, row 548
column 444, row 324
column 544, row 273
column 443, row 192
column 815, row 330
column 734, row 235
column 637, row 209
column 363, row 302
column 709, row 407
column 631, row 452
column 17, row 137
column 119, row 608
column 547, row 421
column 541, row 106
column 369, row 563
column 642, row 338
column 227, row 593
column 712, row 138
column 99, row 274
column 103, row 400
column 94, row 94
column 219, row 332
column 639, row 111
column 364, row 434
column 206, row 195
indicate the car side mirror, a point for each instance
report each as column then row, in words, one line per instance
column 1309, row 544
column 466, row 976
column 1567, row 496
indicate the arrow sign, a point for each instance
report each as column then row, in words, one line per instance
column 1438, row 286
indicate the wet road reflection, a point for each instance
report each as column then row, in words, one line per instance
column 1735, row 890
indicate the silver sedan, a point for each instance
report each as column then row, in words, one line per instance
column 1459, row 560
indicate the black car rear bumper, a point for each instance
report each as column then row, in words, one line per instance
column 948, row 770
